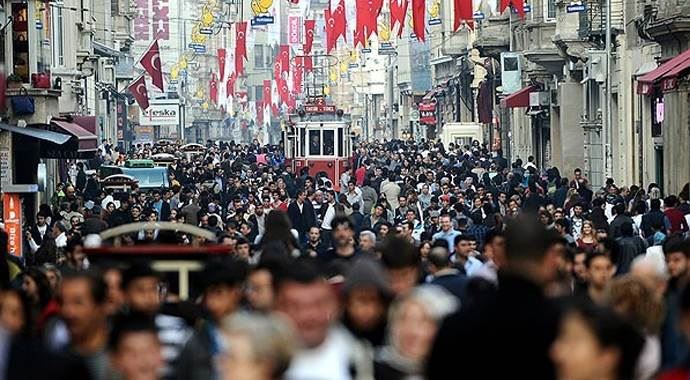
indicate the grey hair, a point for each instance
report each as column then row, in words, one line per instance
column 271, row 338
column 369, row 234
column 654, row 261
column 437, row 302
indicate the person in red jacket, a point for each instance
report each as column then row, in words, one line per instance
column 675, row 216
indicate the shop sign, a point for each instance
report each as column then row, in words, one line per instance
column 161, row 112
column 427, row 113
column 12, row 216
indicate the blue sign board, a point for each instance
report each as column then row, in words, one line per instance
column 479, row 16
column 435, row 21
column 575, row 8
column 262, row 20
column 207, row 31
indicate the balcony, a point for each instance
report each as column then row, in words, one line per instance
column 493, row 37
column 539, row 48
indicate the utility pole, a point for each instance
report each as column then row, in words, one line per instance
column 608, row 126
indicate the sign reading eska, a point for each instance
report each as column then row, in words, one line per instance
column 161, row 112
column 427, row 113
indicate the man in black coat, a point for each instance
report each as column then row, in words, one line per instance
column 507, row 333
column 302, row 215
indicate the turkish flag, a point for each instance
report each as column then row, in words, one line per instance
column 140, row 93
column 284, row 92
column 221, row 64
column 519, row 6
column 151, row 61
column 340, row 21
column 462, row 11
column 297, row 73
column 419, row 18
column 284, row 60
column 374, row 9
column 308, row 64
column 361, row 22
column 267, row 92
column 398, row 13
column 240, row 46
column 213, row 89
column 330, row 30
column 309, row 35
column 259, row 113
column 230, row 85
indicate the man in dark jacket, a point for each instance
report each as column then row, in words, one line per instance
column 515, row 323
column 444, row 274
column 617, row 222
column 630, row 245
column 655, row 217
column 302, row 215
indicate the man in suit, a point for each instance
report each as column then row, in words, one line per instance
column 302, row 215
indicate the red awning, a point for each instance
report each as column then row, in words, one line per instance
column 669, row 71
column 87, row 141
column 518, row 99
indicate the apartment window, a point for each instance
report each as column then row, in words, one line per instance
column 20, row 41
column 258, row 93
column 550, row 10
column 56, row 36
column 259, row 56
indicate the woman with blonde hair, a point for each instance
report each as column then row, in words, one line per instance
column 588, row 239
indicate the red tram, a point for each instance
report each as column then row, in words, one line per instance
column 319, row 138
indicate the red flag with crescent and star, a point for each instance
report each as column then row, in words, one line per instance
column 151, row 62
column 374, row 9
column 519, row 6
column 139, row 92
column 419, row 18
column 308, row 64
column 308, row 35
column 230, row 86
column 259, row 106
column 340, row 21
column 240, row 47
column 267, row 92
column 297, row 74
column 462, row 11
column 398, row 13
column 284, row 60
column 221, row 64
column 330, row 30
column 213, row 89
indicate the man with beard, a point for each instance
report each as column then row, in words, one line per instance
column 343, row 241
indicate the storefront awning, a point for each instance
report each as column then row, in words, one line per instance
column 518, row 99
column 52, row 137
column 668, row 71
column 82, row 143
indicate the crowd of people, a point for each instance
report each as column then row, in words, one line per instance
column 421, row 261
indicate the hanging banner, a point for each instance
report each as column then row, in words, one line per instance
column 12, row 216
column 294, row 26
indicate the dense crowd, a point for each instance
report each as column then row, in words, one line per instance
column 420, row 261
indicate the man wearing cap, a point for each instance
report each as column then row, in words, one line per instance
column 222, row 293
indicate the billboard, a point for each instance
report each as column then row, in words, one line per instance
column 161, row 112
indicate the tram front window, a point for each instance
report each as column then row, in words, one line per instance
column 328, row 143
column 314, row 143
